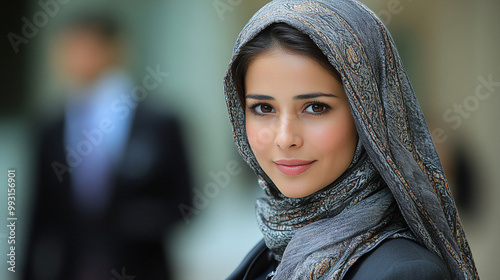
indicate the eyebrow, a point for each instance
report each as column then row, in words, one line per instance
column 297, row 97
column 259, row 97
column 313, row 95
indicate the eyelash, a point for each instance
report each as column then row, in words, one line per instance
column 254, row 107
column 326, row 108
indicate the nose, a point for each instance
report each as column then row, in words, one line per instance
column 288, row 134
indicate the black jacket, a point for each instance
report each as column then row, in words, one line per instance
column 150, row 182
column 392, row 259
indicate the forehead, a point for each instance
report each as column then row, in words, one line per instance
column 288, row 73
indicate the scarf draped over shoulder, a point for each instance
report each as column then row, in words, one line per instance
column 395, row 186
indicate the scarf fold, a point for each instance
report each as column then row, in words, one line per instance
column 329, row 247
column 357, row 211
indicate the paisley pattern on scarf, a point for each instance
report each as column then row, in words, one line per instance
column 402, row 163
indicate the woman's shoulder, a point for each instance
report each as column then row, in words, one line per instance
column 399, row 259
column 256, row 265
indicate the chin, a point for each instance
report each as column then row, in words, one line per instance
column 295, row 188
column 294, row 192
column 292, row 195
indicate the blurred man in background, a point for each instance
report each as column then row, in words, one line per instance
column 111, row 170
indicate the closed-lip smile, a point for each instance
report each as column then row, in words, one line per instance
column 293, row 166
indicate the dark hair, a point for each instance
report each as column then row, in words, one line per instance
column 276, row 35
column 105, row 27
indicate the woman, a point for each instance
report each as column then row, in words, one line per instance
column 324, row 113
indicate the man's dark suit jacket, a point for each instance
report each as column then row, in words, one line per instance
column 150, row 182
column 394, row 259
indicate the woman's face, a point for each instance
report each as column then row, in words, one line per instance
column 298, row 121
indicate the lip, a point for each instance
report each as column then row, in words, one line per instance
column 293, row 166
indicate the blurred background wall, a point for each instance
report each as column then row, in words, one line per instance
column 450, row 48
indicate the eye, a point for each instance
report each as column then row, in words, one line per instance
column 262, row 109
column 317, row 108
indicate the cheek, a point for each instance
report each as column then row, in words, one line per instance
column 335, row 138
column 260, row 136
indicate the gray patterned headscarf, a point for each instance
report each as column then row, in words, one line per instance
column 395, row 186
